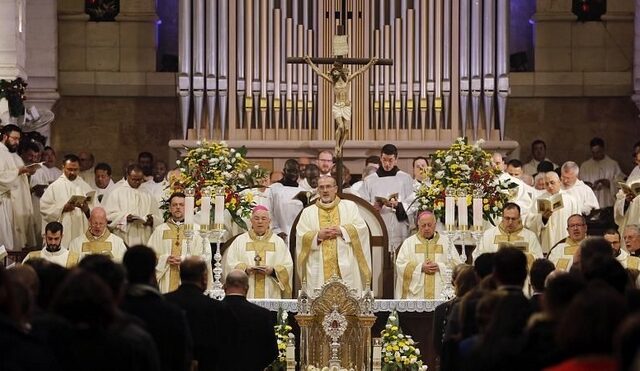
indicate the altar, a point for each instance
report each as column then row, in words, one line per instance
column 416, row 319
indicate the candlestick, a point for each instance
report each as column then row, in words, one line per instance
column 449, row 207
column 477, row 212
column 218, row 218
column 463, row 213
column 205, row 205
column 189, row 205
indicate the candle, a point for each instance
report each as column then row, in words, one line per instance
column 205, row 209
column 477, row 212
column 189, row 203
column 449, row 211
column 463, row 217
column 218, row 217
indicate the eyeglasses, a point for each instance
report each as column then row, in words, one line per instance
column 575, row 225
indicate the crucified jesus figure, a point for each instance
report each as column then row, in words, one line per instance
column 338, row 76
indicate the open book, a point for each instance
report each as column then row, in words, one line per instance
column 631, row 188
column 79, row 200
column 520, row 245
column 138, row 219
column 306, row 197
column 553, row 203
column 385, row 200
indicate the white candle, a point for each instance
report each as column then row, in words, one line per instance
column 189, row 203
column 218, row 217
column 205, row 209
column 449, row 211
column 463, row 217
column 477, row 212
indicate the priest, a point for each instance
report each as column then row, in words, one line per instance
column 510, row 231
column 97, row 239
column 264, row 257
column 422, row 260
column 561, row 255
column 53, row 251
column 132, row 213
column 585, row 196
column 284, row 202
column 550, row 225
column 57, row 203
column 622, row 256
column 171, row 246
column 333, row 240
column 602, row 173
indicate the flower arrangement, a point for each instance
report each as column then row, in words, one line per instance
column 13, row 92
column 399, row 351
column 215, row 165
column 283, row 334
column 463, row 167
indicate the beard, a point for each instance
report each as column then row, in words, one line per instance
column 53, row 247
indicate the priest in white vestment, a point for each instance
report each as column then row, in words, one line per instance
column 561, row 255
column 24, row 221
column 387, row 181
column 285, row 207
column 422, row 260
column 621, row 255
column 333, row 239
column 511, row 232
column 602, row 173
column 260, row 195
column 631, row 238
column 87, row 172
column 9, row 174
column 158, row 183
column 104, row 185
column 97, row 239
column 264, row 257
column 551, row 226
column 55, row 205
column 626, row 209
column 538, row 154
column 577, row 188
column 132, row 213
column 53, row 251
column 171, row 245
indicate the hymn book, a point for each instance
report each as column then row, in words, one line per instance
column 552, row 203
column 79, row 200
column 631, row 188
column 385, row 200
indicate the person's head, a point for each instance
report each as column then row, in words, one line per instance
column 312, row 174
column 545, row 166
column 372, row 161
column 325, row 161
column 49, row 157
column 346, row 175
column 176, row 206
column 540, row 269
column 465, row 279
column 538, row 182
column 569, row 171
column 577, row 227
column 159, row 171
column 135, row 176
column 597, row 148
column 71, row 167
column 327, row 189
column 552, row 182
column 511, row 217
column 369, row 170
column 631, row 237
column 538, row 150
column 260, row 220
column 291, row 170
column 86, row 160
column 11, row 135
column 302, row 164
column 498, row 161
column 514, row 168
column 102, row 173
column 110, row 272
column 426, row 224
column 612, row 236
column 29, row 152
column 419, row 168
column 275, row 176
column 389, row 157
column 636, row 158
column 53, row 235
column 592, row 251
column 193, row 270
column 145, row 161
column 559, row 289
column 140, row 262
column 483, row 265
column 97, row 222
column 236, row 282
column 510, row 266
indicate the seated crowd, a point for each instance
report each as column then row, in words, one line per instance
column 541, row 293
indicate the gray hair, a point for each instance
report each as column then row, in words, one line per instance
column 635, row 227
column 570, row 166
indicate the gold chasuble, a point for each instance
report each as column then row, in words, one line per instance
column 97, row 245
column 428, row 247
column 175, row 233
column 562, row 254
column 514, row 239
column 250, row 250
column 318, row 260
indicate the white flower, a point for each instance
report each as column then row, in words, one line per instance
column 392, row 318
column 232, row 150
column 285, row 315
column 448, row 158
column 178, row 162
column 439, row 174
column 418, row 351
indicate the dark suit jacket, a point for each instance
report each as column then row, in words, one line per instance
column 256, row 333
column 165, row 322
column 213, row 328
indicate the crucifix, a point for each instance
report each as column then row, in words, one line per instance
column 340, row 78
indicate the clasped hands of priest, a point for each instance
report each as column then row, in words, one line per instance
column 329, row 233
column 430, row 267
column 260, row 269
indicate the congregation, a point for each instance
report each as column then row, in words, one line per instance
column 112, row 282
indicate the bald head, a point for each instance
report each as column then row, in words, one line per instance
column 193, row 270
column 552, row 182
column 237, row 282
column 98, row 221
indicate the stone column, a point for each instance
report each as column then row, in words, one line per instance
column 12, row 42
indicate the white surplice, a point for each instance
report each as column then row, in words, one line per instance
column 584, row 195
column 8, row 174
column 556, row 227
column 607, row 168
